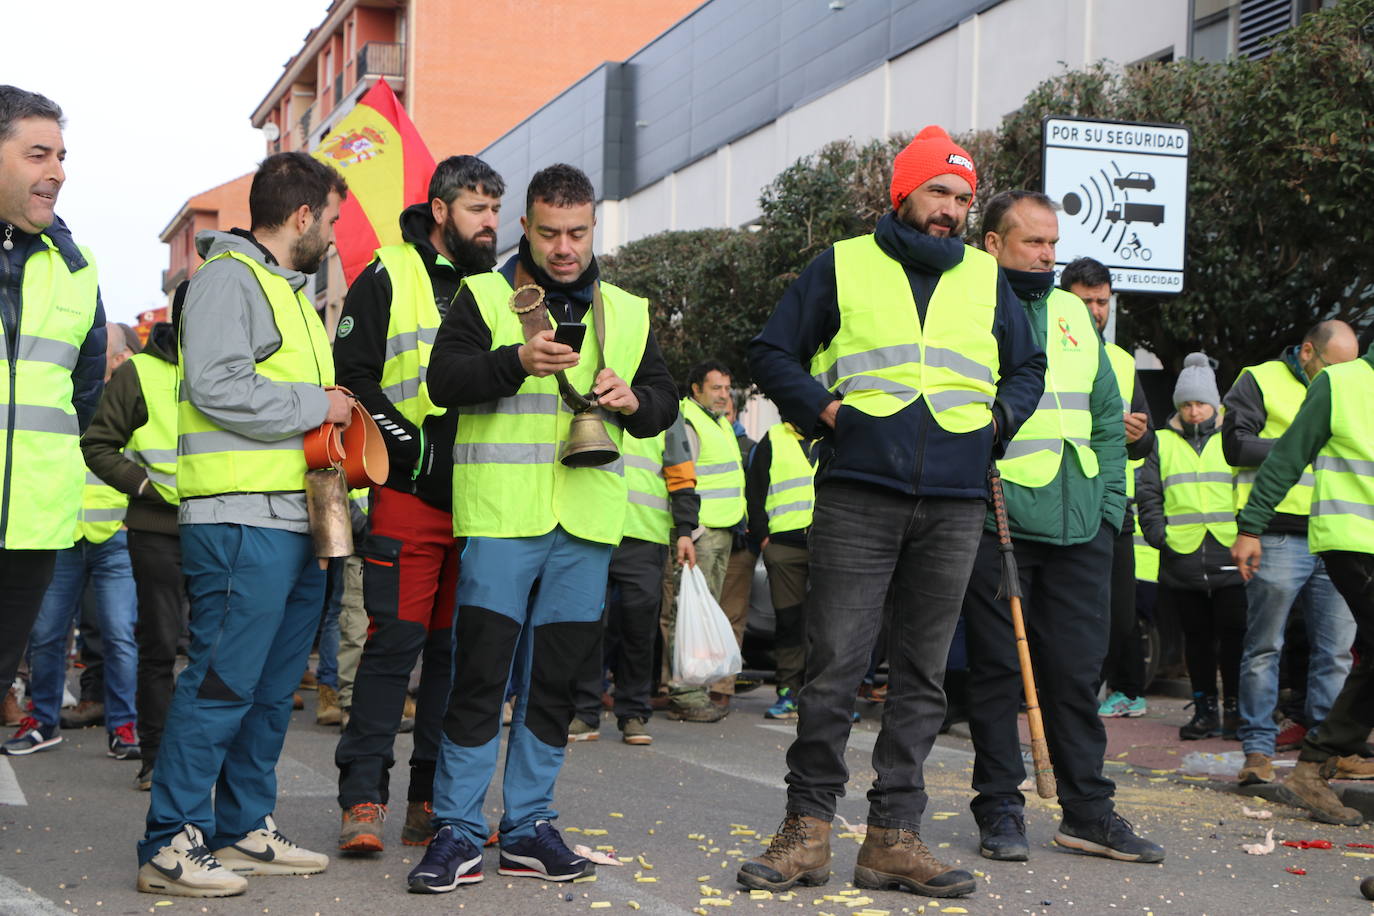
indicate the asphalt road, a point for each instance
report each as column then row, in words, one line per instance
column 69, row 819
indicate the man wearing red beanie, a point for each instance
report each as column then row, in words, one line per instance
column 906, row 352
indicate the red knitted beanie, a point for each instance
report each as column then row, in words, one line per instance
column 930, row 153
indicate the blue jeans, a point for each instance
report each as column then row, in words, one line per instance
column 327, row 669
column 256, row 595
column 106, row 569
column 528, row 615
column 1288, row 572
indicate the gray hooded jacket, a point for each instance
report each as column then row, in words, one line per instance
column 226, row 329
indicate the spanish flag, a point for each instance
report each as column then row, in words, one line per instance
column 379, row 153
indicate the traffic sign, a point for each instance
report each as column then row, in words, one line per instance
column 1123, row 190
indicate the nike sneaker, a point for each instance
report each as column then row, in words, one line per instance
column 185, row 867
column 266, row 851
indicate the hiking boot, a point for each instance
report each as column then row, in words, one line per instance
column 1230, row 719
column 583, row 731
column 1258, row 768
column 32, row 736
column 544, row 856
column 1205, row 723
column 1110, row 836
column 785, row 707
column 185, row 867
column 799, row 853
column 418, row 829
column 11, row 714
column 266, row 851
column 308, row 680
column 720, row 699
column 1307, row 788
column 327, row 711
column 122, row 743
column 449, row 861
column 696, row 706
column 1002, row 834
column 407, row 717
column 143, row 782
column 633, row 731
column 894, row 858
column 1290, row 735
column 1352, row 766
column 361, row 830
column 83, row 714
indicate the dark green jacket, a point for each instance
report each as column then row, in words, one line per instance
column 1293, row 451
column 1071, row 508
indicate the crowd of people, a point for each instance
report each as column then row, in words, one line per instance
column 524, row 570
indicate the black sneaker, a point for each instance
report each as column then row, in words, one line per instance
column 1204, row 723
column 544, row 856
column 1002, row 835
column 450, row 860
column 1111, row 836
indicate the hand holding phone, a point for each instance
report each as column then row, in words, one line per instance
column 570, row 334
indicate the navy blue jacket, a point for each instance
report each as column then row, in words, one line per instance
column 88, row 377
column 907, row 451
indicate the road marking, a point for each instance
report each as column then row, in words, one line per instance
column 16, row 900
column 296, row 780
column 10, row 793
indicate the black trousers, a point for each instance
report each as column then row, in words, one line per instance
column 865, row 540
column 24, row 577
column 1213, row 635
column 1346, row 727
column 1124, row 668
column 633, row 598
column 1065, row 606
column 162, row 613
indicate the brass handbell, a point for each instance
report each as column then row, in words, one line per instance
column 588, row 446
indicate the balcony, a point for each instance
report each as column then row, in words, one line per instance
column 379, row 58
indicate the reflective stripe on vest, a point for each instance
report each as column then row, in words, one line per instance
column 1343, row 500
column 648, row 516
column 39, row 446
column 1146, row 557
column 102, row 511
column 1073, row 354
column 791, row 497
column 410, row 333
column 1283, row 394
column 950, row 359
column 212, row 460
column 153, row 446
column 1198, row 492
column 720, row 472
column 507, row 479
column 1123, row 367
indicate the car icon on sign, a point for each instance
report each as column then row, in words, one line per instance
column 1142, row 180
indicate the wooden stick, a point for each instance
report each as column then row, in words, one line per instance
column 1011, row 583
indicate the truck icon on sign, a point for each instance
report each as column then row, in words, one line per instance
column 1136, row 213
column 1144, row 181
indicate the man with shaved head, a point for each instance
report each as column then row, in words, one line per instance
column 1259, row 409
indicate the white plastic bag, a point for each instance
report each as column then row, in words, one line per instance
column 704, row 648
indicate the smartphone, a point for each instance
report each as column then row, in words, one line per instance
column 571, row 334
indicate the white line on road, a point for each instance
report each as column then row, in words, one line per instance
column 10, row 793
column 296, row 780
column 19, row 901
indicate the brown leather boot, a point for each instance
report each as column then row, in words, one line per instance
column 893, row 858
column 1306, row 787
column 799, row 854
column 419, row 825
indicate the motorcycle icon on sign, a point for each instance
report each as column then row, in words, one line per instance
column 1134, row 249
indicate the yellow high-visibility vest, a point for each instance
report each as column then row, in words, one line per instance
column 1343, row 498
column 1283, row 394
column 1063, row 420
column 791, row 497
column 40, row 450
column 1123, row 367
column 212, row 460
column 410, row 333
column 648, row 516
column 507, row 479
column 1198, row 492
column 720, row 470
column 153, row 446
column 884, row 356
column 102, row 511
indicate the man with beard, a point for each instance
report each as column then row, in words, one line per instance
column 1064, row 475
column 906, row 352
column 386, row 332
column 256, row 373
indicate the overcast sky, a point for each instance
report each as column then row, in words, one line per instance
column 158, row 96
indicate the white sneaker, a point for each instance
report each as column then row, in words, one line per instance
column 266, row 852
column 186, row 868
